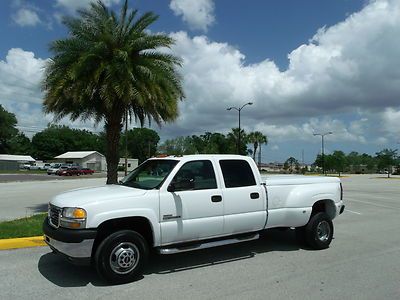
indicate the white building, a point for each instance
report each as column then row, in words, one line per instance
column 13, row 162
column 86, row 159
column 132, row 163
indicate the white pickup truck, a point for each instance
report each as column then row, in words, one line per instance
column 176, row 204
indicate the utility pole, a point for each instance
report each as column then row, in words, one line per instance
column 239, row 109
column 323, row 146
column 126, row 142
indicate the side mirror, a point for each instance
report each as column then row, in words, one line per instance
column 171, row 188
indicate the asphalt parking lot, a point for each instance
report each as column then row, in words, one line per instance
column 362, row 262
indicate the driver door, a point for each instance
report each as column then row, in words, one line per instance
column 192, row 209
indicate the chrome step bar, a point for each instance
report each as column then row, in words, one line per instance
column 246, row 238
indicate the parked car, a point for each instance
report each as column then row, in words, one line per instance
column 53, row 168
column 70, row 171
column 87, row 171
column 62, row 168
column 177, row 204
column 39, row 166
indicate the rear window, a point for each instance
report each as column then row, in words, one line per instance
column 237, row 173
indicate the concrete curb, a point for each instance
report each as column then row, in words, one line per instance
column 26, row 242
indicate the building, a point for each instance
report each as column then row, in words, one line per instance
column 132, row 163
column 13, row 162
column 86, row 159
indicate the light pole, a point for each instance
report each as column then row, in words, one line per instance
column 239, row 109
column 323, row 145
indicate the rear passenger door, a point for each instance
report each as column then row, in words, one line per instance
column 244, row 198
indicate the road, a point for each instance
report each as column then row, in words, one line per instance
column 20, row 199
column 362, row 263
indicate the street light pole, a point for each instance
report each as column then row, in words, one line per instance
column 239, row 109
column 323, row 148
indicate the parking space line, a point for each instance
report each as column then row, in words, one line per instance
column 354, row 212
column 373, row 204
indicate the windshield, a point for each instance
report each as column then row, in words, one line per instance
column 149, row 175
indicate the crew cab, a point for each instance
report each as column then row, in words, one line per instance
column 177, row 204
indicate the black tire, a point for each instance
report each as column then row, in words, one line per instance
column 319, row 231
column 121, row 248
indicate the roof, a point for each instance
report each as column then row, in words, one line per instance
column 16, row 157
column 77, row 154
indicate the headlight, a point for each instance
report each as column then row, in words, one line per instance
column 73, row 217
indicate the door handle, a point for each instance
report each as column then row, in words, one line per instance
column 254, row 195
column 216, row 198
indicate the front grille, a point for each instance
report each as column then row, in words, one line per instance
column 54, row 216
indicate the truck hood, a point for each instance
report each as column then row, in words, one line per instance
column 95, row 195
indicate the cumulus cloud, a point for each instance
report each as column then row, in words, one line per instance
column 73, row 5
column 26, row 17
column 20, row 76
column 351, row 67
column 199, row 14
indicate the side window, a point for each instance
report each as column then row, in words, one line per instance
column 237, row 173
column 195, row 175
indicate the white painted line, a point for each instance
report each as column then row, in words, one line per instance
column 354, row 212
column 373, row 204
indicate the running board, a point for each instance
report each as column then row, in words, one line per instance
column 206, row 245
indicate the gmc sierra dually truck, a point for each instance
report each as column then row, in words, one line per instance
column 176, row 204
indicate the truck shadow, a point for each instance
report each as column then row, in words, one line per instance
column 61, row 273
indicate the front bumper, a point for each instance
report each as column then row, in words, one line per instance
column 76, row 245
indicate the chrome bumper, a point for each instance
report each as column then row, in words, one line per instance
column 72, row 250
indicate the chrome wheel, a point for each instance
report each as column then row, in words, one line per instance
column 323, row 231
column 124, row 258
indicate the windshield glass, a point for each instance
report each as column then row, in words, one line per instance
column 149, row 175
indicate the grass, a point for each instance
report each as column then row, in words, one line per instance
column 25, row 227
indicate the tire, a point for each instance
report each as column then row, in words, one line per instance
column 319, row 231
column 121, row 257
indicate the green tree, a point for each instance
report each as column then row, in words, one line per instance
column 257, row 139
column 20, row 144
column 55, row 140
column 338, row 161
column 233, row 138
column 8, row 121
column 110, row 68
column 386, row 159
column 142, row 143
column 291, row 165
column 178, row 146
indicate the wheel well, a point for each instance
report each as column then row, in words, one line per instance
column 326, row 206
column 139, row 224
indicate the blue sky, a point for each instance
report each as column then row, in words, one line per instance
column 308, row 66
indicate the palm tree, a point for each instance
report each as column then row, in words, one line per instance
column 233, row 137
column 110, row 69
column 257, row 139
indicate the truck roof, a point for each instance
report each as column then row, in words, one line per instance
column 201, row 156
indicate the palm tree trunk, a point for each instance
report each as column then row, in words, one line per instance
column 113, row 133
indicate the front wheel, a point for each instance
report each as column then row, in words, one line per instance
column 121, row 256
column 319, row 231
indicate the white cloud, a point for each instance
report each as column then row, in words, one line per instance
column 26, row 17
column 73, row 5
column 20, row 76
column 349, row 68
column 199, row 14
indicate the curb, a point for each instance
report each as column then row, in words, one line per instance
column 26, row 242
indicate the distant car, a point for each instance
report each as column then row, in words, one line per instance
column 53, row 169
column 87, row 171
column 69, row 171
column 62, row 168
